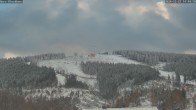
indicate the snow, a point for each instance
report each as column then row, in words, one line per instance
column 67, row 65
column 192, row 82
column 71, row 65
column 165, row 74
column 28, row 63
column 159, row 66
column 86, row 98
column 112, row 59
column 133, row 108
column 61, row 79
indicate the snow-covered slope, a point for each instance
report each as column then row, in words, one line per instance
column 61, row 79
column 87, row 99
column 165, row 74
column 71, row 65
column 112, row 59
column 82, row 98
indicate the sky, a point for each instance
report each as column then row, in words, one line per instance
column 45, row 26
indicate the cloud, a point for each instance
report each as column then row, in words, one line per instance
column 95, row 25
column 162, row 10
column 135, row 9
column 86, row 9
column 192, row 52
column 53, row 8
column 9, row 55
column 83, row 5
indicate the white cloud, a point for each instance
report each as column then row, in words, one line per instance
column 190, row 52
column 162, row 10
column 9, row 55
column 54, row 8
column 83, row 5
column 139, row 9
column 85, row 8
column 89, row 9
column 133, row 10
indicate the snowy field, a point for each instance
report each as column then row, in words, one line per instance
column 165, row 74
column 112, row 59
column 193, row 82
column 61, row 79
column 134, row 108
column 71, row 65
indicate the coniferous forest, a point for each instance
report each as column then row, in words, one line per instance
column 27, row 84
column 110, row 76
column 15, row 72
column 182, row 64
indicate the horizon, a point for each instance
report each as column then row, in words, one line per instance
column 12, row 55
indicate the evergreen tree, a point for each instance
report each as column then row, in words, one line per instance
column 185, row 78
column 169, row 79
column 177, row 79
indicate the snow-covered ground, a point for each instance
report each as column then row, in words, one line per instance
column 133, row 108
column 87, row 99
column 71, row 65
column 165, row 74
column 159, row 66
column 192, row 82
column 61, row 79
column 112, row 59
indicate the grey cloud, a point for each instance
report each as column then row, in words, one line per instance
column 29, row 29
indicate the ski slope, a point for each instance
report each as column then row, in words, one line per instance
column 71, row 65
column 112, row 59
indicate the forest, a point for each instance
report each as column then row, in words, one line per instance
column 182, row 64
column 15, row 72
column 48, row 56
column 72, row 82
column 164, row 99
column 111, row 76
column 10, row 101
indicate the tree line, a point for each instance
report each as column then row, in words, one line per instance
column 9, row 101
column 111, row 76
column 48, row 56
column 72, row 82
column 182, row 64
column 153, row 58
column 15, row 72
column 164, row 99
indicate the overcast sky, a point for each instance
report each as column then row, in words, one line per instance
column 41, row 26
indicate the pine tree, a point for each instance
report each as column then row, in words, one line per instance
column 177, row 79
column 169, row 79
column 185, row 78
column 172, row 77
